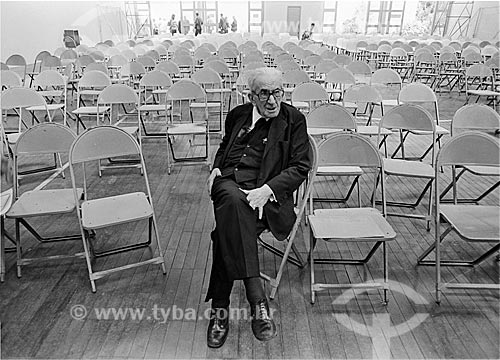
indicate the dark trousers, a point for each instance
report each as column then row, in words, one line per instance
column 234, row 240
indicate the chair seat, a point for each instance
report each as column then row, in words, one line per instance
column 301, row 104
column 354, row 224
column 46, row 202
column 483, row 92
column 12, row 138
column 154, row 107
column 400, row 167
column 316, row 131
column 186, row 129
column 50, row 107
column 90, row 92
column 51, row 93
column 439, row 131
column 115, row 210
column 372, row 130
column 484, row 170
column 90, row 110
column 474, row 222
column 339, row 171
column 390, row 102
column 6, row 201
column 202, row 105
column 219, row 90
column 130, row 129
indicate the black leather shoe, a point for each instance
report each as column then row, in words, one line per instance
column 218, row 327
column 263, row 326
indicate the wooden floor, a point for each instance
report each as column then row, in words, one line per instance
column 42, row 312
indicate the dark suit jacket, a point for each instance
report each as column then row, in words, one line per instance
column 285, row 164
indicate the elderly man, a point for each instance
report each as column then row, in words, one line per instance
column 262, row 159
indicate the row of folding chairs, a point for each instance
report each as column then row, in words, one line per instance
column 96, row 211
column 344, row 152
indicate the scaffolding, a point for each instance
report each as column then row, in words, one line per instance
column 138, row 15
column 452, row 18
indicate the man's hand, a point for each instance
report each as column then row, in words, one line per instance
column 215, row 172
column 257, row 198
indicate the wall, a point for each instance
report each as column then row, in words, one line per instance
column 275, row 13
column 28, row 27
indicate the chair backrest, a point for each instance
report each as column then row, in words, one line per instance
column 344, row 148
column 207, row 76
column 133, row 68
column 10, row 79
column 288, row 65
column 309, row 91
column 147, row 61
column 168, row 67
column 470, row 148
column 359, row 67
column 340, row 76
column 295, row 77
column 480, row 70
column 118, row 94
column 44, row 138
column 475, row 117
column 97, row 66
column 331, row 116
column 94, row 78
column 386, row 76
column 51, row 62
column 362, row 93
column 102, row 142
column 324, row 66
column 186, row 89
column 16, row 60
column 156, row 78
column 417, row 93
column 351, row 149
column 408, row 117
column 219, row 66
column 20, row 97
column 49, row 78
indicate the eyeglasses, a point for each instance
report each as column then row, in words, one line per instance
column 264, row 94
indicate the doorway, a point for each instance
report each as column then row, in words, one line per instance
column 293, row 20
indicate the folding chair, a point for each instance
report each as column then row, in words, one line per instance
column 361, row 70
column 90, row 85
column 404, row 118
column 357, row 225
column 118, row 207
column 37, row 65
column 477, row 117
column 423, row 95
column 211, row 82
column 42, row 139
column 53, row 87
column 300, row 208
column 337, row 81
column 18, row 99
column 17, row 63
column 186, row 90
column 321, row 122
column 472, row 223
column 120, row 94
column 153, row 87
column 308, row 95
column 385, row 80
column 170, row 68
column 426, row 69
column 481, row 77
column 292, row 78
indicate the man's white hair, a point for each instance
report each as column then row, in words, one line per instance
column 263, row 75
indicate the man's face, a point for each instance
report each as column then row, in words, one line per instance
column 267, row 97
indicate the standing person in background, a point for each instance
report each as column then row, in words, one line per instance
column 198, row 21
column 223, row 25
column 172, row 24
column 308, row 33
column 186, row 26
column 234, row 25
